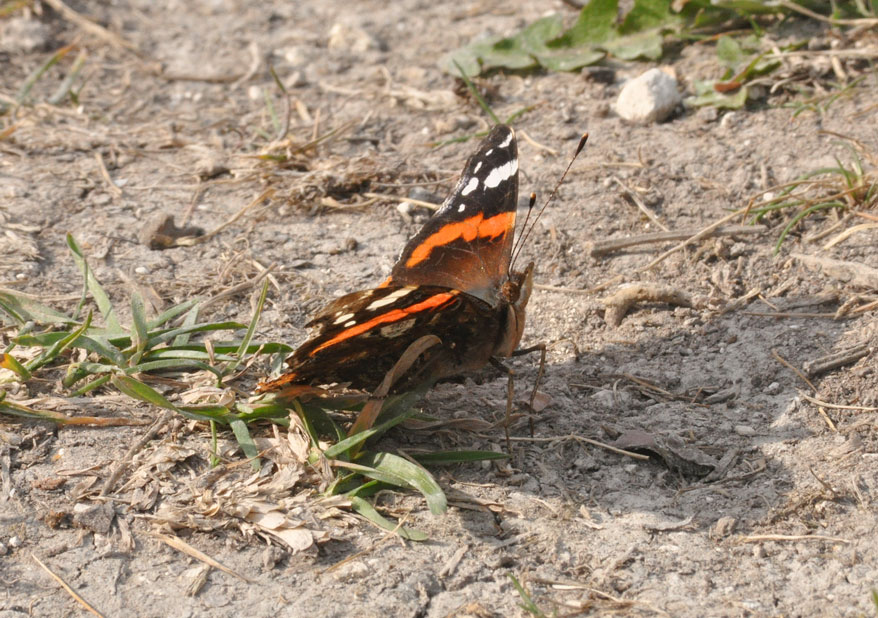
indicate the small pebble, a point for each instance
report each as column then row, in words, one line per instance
column 351, row 571
column 649, row 98
column 14, row 542
column 141, row 270
column 745, row 430
column 2, row 549
column 724, row 526
column 772, row 389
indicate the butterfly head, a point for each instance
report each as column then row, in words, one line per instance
column 515, row 292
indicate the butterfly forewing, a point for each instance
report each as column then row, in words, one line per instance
column 467, row 244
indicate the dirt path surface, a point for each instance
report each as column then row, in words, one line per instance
column 766, row 503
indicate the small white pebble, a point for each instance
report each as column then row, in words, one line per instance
column 14, row 542
column 141, row 270
column 254, row 92
column 745, row 430
column 405, row 208
column 20, row 276
column 2, row 549
column 773, row 388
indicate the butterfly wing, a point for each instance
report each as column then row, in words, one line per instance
column 467, row 244
column 361, row 335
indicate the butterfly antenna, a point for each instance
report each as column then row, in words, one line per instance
column 520, row 244
column 530, row 208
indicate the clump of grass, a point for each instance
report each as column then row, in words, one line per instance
column 126, row 358
column 847, row 187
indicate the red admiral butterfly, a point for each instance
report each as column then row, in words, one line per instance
column 454, row 280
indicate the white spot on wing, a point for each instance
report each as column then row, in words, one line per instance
column 350, row 323
column 506, row 141
column 471, row 186
column 342, row 317
column 477, row 167
column 389, row 299
column 499, row 174
column 461, row 208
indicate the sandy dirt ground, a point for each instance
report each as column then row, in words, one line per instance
column 765, row 504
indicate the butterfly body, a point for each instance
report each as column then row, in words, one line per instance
column 452, row 280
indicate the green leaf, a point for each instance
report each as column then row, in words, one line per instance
column 649, row 15
column 94, row 286
column 245, row 441
column 390, row 466
column 570, row 59
column 365, row 509
column 706, row 94
column 596, row 24
column 636, row 46
column 729, row 53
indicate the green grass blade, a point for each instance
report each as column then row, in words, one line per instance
column 59, row 346
column 476, row 95
column 160, row 338
column 7, row 361
column 66, row 85
column 345, row 445
column 97, row 292
column 138, row 328
column 412, row 474
column 789, row 226
column 245, row 441
column 138, row 390
column 35, row 76
column 188, row 322
column 23, row 310
column 169, row 314
column 444, row 458
column 173, row 365
column 251, row 328
column 87, row 388
column 365, row 509
column 101, row 348
column 527, row 604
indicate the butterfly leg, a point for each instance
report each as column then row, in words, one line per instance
column 540, row 373
column 510, row 394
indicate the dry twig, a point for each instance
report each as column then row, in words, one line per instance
column 67, row 587
column 614, row 244
column 619, row 303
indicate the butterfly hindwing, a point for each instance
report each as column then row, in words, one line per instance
column 361, row 335
column 467, row 244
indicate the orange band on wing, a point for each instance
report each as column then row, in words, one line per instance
column 434, row 302
column 468, row 229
